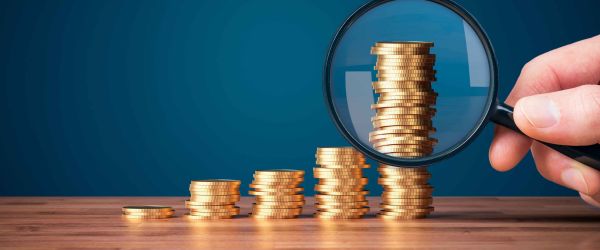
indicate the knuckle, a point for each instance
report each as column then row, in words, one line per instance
column 589, row 101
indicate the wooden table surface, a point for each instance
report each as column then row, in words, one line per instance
column 469, row 222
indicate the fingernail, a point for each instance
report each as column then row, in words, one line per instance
column 573, row 178
column 540, row 111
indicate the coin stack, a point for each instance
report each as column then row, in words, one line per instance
column 406, row 192
column 147, row 212
column 340, row 190
column 403, row 121
column 278, row 194
column 403, row 124
column 213, row 199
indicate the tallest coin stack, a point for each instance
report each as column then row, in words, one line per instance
column 403, row 124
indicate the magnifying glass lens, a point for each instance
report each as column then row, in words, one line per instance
column 411, row 80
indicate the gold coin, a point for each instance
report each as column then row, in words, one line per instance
column 409, row 210
column 327, row 213
column 403, row 44
column 410, row 151
column 269, row 187
column 270, row 198
column 343, row 204
column 276, row 182
column 350, row 171
column 208, row 217
column 404, row 62
column 283, row 190
column 408, row 155
column 402, row 137
column 388, row 122
column 336, row 150
column 403, row 67
column 147, row 216
column 254, row 216
column 283, row 173
column 408, row 71
column 216, row 198
column 402, row 85
column 396, row 51
column 405, row 78
column 408, row 120
column 405, row 110
column 146, row 208
column 399, row 143
column 271, row 210
column 335, row 157
column 402, row 101
column 407, row 57
column 337, row 176
column 412, row 194
column 325, row 198
column 228, row 206
column 345, row 210
column 401, row 128
column 408, row 202
column 216, row 182
column 401, row 217
column 388, row 132
column 365, row 192
column 337, row 217
column 344, row 166
column 220, row 193
column 198, row 210
column 400, row 104
column 277, row 205
column 341, row 186
column 272, row 193
column 343, row 181
column 401, row 208
column 382, row 137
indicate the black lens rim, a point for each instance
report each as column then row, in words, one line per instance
column 389, row 160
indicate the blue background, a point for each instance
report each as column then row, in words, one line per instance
column 110, row 97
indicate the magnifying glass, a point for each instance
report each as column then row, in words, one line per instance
column 412, row 82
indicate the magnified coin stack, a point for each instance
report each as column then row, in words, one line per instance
column 278, row 194
column 406, row 192
column 340, row 190
column 148, row 212
column 214, row 199
column 403, row 124
column 403, row 121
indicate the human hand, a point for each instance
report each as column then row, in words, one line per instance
column 557, row 100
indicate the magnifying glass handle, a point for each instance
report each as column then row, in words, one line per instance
column 588, row 155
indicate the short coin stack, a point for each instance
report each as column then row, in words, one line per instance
column 406, row 192
column 148, row 212
column 340, row 190
column 213, row 199
column 278, row 194
column 403, row 121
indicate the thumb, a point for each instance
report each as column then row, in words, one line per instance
column 567, row 117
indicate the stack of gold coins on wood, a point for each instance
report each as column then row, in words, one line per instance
column 404, row 110
column 278, row 194
column 340, row 190
column 213, row 199
column 148, row 212
column 406, row 192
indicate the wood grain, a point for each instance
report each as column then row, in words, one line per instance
column 457, row 223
